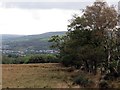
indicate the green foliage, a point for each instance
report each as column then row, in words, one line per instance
column 103, row 84
column 12, row 60
column 67, row 60
column 36, row 59
column 92, row 41
column 47, row 58
column 42, row 58
column 82, row 80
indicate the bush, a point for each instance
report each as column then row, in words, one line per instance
column 11, row 60
column 51, row 58
column 43, row 58
column 38, row 58
column 67, row 60
column 81, row 80
column 103, row 84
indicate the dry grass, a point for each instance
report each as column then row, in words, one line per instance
column 35, row 76
column 44, row 76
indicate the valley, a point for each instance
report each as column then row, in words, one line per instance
column 28, row 44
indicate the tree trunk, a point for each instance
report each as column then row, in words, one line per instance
column 95, row 68
column 86, row 66
column 109, row 57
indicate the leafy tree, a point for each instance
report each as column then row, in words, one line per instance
column 91, row 41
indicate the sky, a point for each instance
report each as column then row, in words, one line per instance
column 39, row 16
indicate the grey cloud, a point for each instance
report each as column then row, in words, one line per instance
column 47, row 5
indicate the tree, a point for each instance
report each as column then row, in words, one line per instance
column 99, row 19
column 90, row 40
column 102, row 18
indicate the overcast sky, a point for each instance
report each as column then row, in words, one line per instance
column 38, row 16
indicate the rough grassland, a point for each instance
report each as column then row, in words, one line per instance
column 35, row 76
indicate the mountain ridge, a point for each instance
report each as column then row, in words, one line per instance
column 13, row 36
column 31, row 42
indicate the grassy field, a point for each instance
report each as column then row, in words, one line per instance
column 44, row 76
column 35, row 76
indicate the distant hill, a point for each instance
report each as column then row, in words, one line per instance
column 9, row 36
column 23, row 42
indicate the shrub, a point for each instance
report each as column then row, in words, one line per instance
column 81, row 80
column 67, row 60
column 51, row 58
column 11, row 60
column 43, row 58
column 36, row 59
column 103, row 84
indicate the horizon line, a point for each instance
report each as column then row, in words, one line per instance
column 30, row 34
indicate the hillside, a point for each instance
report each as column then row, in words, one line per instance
column 23, row 42
column 7, row 37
